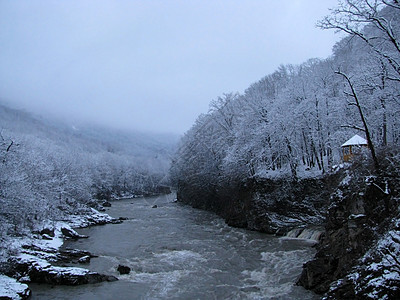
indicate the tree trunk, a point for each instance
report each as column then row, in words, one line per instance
column 384, row 123
column 357, row 104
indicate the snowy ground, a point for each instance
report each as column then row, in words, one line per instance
column 378, row 274
column 10, row 288
column 40, row 249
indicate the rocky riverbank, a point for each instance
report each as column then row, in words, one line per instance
column 358, row 257
column 274, row 206
column 357, row 207
column 38, row 258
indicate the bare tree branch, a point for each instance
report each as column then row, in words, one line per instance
column 353, row 127
column 368, row 136
column 9, row 146
column 352, row 15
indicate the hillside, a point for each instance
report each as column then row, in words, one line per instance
column 50, row 168
column 271, row 159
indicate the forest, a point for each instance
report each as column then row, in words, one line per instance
column 271, row 159
column 292, row 123
column 50, row 169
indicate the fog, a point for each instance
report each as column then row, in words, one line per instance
column 148, row 65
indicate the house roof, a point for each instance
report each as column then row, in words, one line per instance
column 355, row 140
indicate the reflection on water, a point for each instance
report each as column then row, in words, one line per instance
column 177, row 252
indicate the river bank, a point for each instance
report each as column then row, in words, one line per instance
column 177, row 252
column 274, row 206
column 357, row 257
column 37, row 258
column 355, row 209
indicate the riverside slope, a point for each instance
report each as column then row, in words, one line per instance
column 33, row 257
column 273, row 206
column 358, row 254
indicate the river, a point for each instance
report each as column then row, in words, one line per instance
column 177, row 252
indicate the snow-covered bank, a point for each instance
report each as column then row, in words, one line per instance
column 357, row 207
column 39, row 270
column 45, row 242
column 30, row 258
column 358, row 256
column 10, row 288
column 377, row 276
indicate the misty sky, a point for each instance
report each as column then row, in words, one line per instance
column 149, row 65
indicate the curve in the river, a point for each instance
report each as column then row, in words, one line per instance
column 177, row 252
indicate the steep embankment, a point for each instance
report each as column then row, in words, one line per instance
column 358, row 258
column 268, row 205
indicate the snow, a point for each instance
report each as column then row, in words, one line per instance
column 37, row 252
column 39, row 263
column 346, row 180
column 379, row 268
column 28, row 258
column 9, row 287
column 36, row 245
column 303, row 171
column 79, row 221
column 355, row 141
column 45, row 246
column 370, row 180
column 57, row 241
column 358, row 216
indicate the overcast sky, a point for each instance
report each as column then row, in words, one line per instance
column 149, row 65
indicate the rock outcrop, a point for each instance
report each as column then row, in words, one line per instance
column 358, row 206
column 36, row 255
column 268, row 205
column 40, row 271
column 74, row 256
column 72, row 234
column 358, row 255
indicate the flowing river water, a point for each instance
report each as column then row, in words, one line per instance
column 177, row 252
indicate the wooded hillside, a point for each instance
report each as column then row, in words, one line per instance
column 292, row 123
column 48, row 168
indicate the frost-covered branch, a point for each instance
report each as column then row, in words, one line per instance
column 353, row 127
column 354, row 16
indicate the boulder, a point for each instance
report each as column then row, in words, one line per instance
column 40, row 271
column 154, row 206
column 70, row 233
column 123, row 269
column 46, row 237
column 47, row 231
column 24, row 279
column 74, row 256
column 84, row 259
column 106, row 204
column 116, row 221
